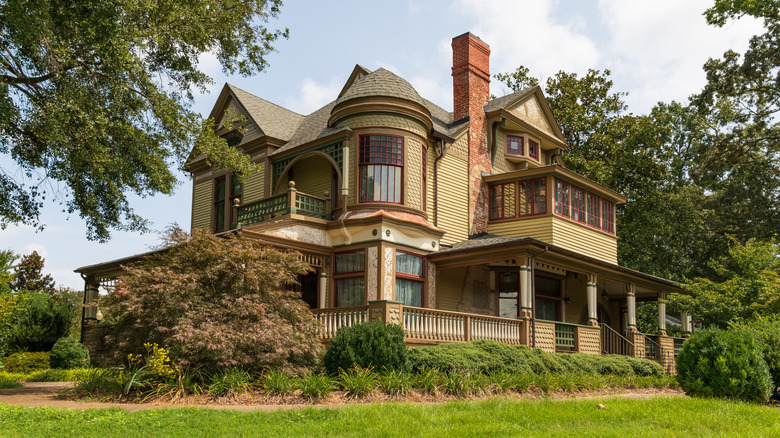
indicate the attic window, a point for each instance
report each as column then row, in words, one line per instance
column 514, row 145
column 533, row 149
column 516, row 148
column 233, row 137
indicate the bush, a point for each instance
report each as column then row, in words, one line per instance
column 478, row 356
column 369, row 345
column 645, row 367
column 215, row 303
column 25, row 362
column 767, row 334
column 613, row 365
column 36, row 322
column 718, row 363
column 68, row 354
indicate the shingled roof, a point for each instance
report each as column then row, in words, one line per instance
column 274, row 120
column 507, row 101
column 381, row 82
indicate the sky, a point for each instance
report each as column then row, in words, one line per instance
column 654, row 50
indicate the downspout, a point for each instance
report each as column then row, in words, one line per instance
column 533, row 295
column 345, row 197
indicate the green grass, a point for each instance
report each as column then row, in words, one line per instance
column 10, row 385
column 656, row 417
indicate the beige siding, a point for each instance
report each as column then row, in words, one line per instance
column 500, row 164
column 354, row 169
column 413, row 189
column 431, row 156
column 531, row 112
column 449, row 288
column 201, row 205
column 453, row 199
column 383, row 121
column 583, row 240
column 252, row 130
column 254, row 187
column 312, row 176
column 538, row 228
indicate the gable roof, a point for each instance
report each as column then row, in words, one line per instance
column 273, row 120
column 505, row 103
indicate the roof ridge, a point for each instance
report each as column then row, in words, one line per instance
column 264, row 100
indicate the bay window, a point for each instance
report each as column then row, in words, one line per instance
column 226, row 190
column 514, row 145
column 503, row 201
column 409, row 278
column 350, row 282
column 533, row 197
column 381, row 168
column 594, row 211
column 608, row 216
column 561, row 198
column 578, row 204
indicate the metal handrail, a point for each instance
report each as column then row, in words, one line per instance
column 610, row 332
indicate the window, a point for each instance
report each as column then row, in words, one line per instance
column 548, row 298
column 594, row 211
column 502, row 201
column 533, row 149
column 608, row 216
column 223, row 201
column 508, row 292
column 409, row 278
column 533, row 197
column 561, row 198
column 381, row 168
column 514, row 145
column 578, row 204
column 349, row 279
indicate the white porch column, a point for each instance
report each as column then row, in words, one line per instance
column 591, row 289
column 631, row 306
column 662, row 313
column 322, row 290
column 525, row 287
column 91, row 292
column 685, row 321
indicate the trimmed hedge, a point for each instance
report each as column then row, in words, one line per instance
column 69, row 353
column 724, row 363
column 485, row 356
column 25, row 362
column 370, row 345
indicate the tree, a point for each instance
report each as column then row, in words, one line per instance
column 745, row 286
column 37, row 321
column 94, row 99
column 214, row 302
column 7, row 259
column 28, row 275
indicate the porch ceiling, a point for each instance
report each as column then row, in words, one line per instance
column 490, row 249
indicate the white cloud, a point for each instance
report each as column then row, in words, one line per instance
column 527, row 33
column 42, row 251
column 433, row 90
column 313, row 95
column 660, row 46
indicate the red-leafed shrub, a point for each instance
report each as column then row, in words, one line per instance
column 214, row 302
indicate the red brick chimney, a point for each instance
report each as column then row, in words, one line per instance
column 471, row 91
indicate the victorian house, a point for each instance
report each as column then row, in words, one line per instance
column 458, row 225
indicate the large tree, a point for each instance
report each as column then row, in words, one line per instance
column 94, row 99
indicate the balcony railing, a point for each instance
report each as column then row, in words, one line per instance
column 292, row 202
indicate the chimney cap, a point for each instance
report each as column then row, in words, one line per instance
column 472, row 35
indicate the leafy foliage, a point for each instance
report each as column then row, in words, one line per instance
column 214, row 302
column 369, row 345
column 69, row 353
column 34, row 321
column 7, row 259
column 723, row 363
column 28, row 275
column 746, row 285
column 94, row 97
column 25, row 362
column 766, row 331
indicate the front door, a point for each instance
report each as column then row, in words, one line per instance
column 508, row 292
column 307, row 287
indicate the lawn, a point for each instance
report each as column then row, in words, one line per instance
column 655, row 417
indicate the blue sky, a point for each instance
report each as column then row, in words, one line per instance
column 655, row 51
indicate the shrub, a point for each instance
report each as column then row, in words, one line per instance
column 230, row 383
column 613, row 365
column 358, row 382
column 68, row 353
column 645, row 367
column 25, row 362
column 481, row 356
column 767, row 334
column 717, row 363
column 36, row 322
column 214, row 302
column 369, row 345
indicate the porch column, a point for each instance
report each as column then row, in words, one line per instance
column 685, row 320
column 525, row 287
column 322, row 290
column 662, row 313
column 90, row 299
column 592, row 303
column 631, row 306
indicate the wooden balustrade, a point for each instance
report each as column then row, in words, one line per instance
column 434, row 325
column 507, row 331
column 333, row 319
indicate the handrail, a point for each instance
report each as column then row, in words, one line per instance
column 614, row 343
column 566, row 323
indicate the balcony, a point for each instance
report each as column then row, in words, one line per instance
column 291, row 202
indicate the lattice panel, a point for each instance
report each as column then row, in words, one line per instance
column 639, row 346
column 333, row 150
column 590, row 340
column 545, row 337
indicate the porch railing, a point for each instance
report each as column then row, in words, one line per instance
column 434, row 325
column 290, row 202
column 613, row 342
column 331, row 320
column 495, row 329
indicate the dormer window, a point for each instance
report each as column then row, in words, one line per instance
column 381, row 168
column 516, row 148
column 514, row 145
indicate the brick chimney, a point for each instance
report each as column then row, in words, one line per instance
column 471, row 91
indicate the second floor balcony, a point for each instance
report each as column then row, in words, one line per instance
column 274, row 207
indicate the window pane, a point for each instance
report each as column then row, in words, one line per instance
column 524, row 204
column 350, row 262
column 540, row 196
column 219, row 188
column 533, row 149
column 350, row 292
column 514, row 145
column 408, row 292
column 408, row 264
column 219, row 210
column 235, row 188
column 561, row 198
column 546, row 309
